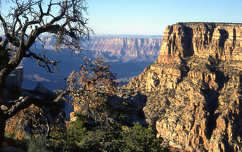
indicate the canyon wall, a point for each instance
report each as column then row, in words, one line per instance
column 221, row 40
column 119, row 48
column 194, row 88
column 125, row 48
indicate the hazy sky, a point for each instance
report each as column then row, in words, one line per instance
column 152, row 16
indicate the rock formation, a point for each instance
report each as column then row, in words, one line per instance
column 194, row 88
column 125, row 48
column 39, row 117
column 203, row 40
column 121, row 48
column 36, row 120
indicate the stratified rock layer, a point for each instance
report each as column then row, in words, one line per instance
column 125, row 49
column 220, row 40
column 117, row 48
column 194, row 88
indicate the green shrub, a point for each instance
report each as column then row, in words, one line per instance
column 139, row 138
column 37, row 144
column 114, row 138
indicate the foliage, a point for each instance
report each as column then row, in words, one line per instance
column 92, row 83
column 139, row 138
column 114, row 138
column 37, row 144
column 99, row 128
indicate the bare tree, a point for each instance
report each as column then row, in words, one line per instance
column 21, row 24
column 94, row 80
column 90, row 88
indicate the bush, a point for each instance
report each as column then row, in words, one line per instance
column 37, row 144
column 114, row 138
column 139, row 138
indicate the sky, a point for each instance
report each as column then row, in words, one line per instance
column 150, row 17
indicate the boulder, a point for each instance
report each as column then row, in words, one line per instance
column 35, row 121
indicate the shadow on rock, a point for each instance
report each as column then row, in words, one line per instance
column 130, row 104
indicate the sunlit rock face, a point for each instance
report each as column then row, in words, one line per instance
column 222, row 40
column 115, row 48
column 125, row 48
column 36, row 121
column 194, row 88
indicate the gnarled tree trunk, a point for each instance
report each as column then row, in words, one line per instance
column 2, row 115
column 3, row 120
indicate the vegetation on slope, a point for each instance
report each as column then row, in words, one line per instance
column 97, row 125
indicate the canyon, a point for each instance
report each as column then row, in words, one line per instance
column 127, row 55
column 124, row 49
column 194, row 88
column 190, row 94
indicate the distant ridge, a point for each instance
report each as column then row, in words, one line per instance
column 126, row 36
column 128, row 55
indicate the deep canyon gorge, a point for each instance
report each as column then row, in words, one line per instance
column 191, row 93
column 127, row 55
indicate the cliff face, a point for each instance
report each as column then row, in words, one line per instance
column 220, row 40
column 194, row 88
column 121, row 48
column 124, row 48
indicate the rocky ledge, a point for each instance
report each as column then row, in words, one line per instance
column 194, row 88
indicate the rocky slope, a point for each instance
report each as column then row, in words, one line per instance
column 194, row 88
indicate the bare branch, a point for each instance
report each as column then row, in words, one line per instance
column 23, row 25
column 5, row 27
column 19, row 105
column 60, row 16
column 46, row 62
column 61, row 95
column 24, row 102
column 27, row 20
